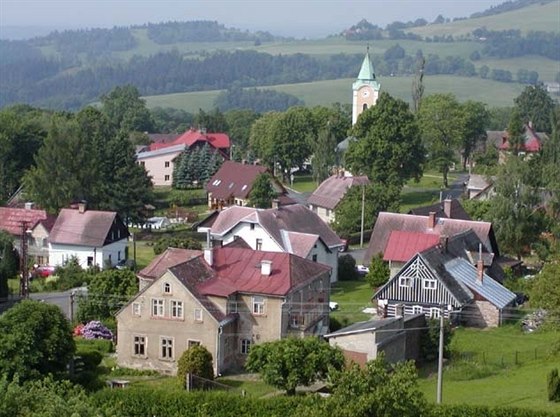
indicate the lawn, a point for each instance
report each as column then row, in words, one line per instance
column 352, row 297
column 418, row 198
column 304, row 184
column 144, row 253
column 483, row 380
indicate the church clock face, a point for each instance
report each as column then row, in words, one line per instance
column 365, row 93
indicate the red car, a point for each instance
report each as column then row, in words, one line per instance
column 43, row 271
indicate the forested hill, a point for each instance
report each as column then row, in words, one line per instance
column 66, row 70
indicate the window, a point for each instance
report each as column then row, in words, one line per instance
column 142, row 163
column 258, row 244
column 166, row 348
column 139, row 345
column 166, row 288
column 364, row 107
column 297, row 320
column 166, row 178
column 192, row 343
column 416, row 309
column 136, row 309
column 314, row 258
column 435, row 313
column 405, row 282
column 166, row 164
column 158, row 307
column 118, row 255
column 429, row 284
column 90, row 261
column 197, row 314
column 258, row 305
column 252, row 226
column 176, row 309
column 245, row 346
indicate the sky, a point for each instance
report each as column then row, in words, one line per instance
column 297, row 18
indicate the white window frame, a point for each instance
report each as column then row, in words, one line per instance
column 429, row 284
column 198, row 315
column 405, row 282
column 177, row 309
column 136, row 309
column 258, row 303
column 435, row 312
column 166, row 348
column 138, row 341
column 417, row 309
column 158, row 307
column 192, row 342
column 245, row 346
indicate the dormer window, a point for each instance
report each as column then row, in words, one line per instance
column 166, row 288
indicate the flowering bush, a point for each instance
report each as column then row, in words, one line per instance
column 96, row 330
column 78, row 329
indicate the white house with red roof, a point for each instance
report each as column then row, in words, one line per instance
column 158, row 157
column 34, row 224
column 227, row 300
column 291, row 229
column 91, row 236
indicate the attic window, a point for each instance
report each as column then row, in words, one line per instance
column 244, row 187
column 429, row 284
column 231, row 185
column 216, row 182
column 167, row 288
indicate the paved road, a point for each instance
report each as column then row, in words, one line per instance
column 60, row 299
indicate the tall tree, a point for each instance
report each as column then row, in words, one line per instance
column 8, row 262
column 515, row 132
column 262, row 193
column 442, row 123
column 536, row 106
column 476, row 122
column 239, row 129
column 389, row 148
column 324, row 155
column 35, row 340
column 418, row 84
column 126, row 110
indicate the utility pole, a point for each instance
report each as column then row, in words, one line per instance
column 363, row 210
column 440, row 356
column 24, row 282
column 72, row 297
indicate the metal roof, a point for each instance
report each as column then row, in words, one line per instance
column 364, row 326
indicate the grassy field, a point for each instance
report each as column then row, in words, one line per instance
column 493, row 93
column 535, row 17
column 304, row 184
column 521, row 385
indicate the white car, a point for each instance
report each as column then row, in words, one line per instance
column 333, row 305
column 362, row 269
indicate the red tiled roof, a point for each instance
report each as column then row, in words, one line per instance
column 89, row 228
column 166, row 260
column 234, row 179
column 11, row 219
column 532, row 141
column 332, row 190
column 191, row 136
column 402, row 246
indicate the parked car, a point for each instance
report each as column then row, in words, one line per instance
column 362, row 270
column 42, row 271
column 126, row 264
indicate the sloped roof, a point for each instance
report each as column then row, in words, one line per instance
column 299, row 244
column 456, row 210
column 190, row 137
column 402, row 246
column 166, row 260
column 488, row 288
column 295, row 218
column 364, row 326
column 532, row 140
column 11, row 219
column 89, row 228
column 388, row 222
column 234, row 179
column 332, row 190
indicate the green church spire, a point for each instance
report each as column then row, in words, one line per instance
column 366, row 72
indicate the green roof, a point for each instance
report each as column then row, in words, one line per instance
column 366, row 72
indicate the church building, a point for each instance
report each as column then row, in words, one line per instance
column 365, row 90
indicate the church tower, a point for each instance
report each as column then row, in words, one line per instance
column 365, row 90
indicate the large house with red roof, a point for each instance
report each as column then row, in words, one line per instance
column 226, row 299
column 291, row 229
column 233, row 182
column 158, row 157
column 532, row 141
column 34, row 224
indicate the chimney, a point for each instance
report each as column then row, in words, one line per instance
column 266, row 267
column 530, row 124
column 209, row 256
column 443, row 240
column 275, row 203
column 82, row 207
column 29, row 205
column 447, row 207
column 432, row 220
column 480, row 265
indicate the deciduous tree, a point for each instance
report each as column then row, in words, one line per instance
column 195, row 360
column 324, row 155
column 378, row 272
column 8, row 262
column 536, row 106
column 126, row 110
column 262, row 193
column 287, row 363
column 476, row 122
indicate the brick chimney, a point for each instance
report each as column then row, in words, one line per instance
column 266, row 267
column 431, row 220
column 447, row 207
column 275, row 203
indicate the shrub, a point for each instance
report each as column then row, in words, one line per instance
column 347, row 268
column 378, row 272
column 195, row 360
column 88, row 359
column 100, row 345
column 184, row 243
column 96, row 330
column 117, row 371
column 430, row 340
column 553, row 385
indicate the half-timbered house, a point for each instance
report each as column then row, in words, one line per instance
column 451, row 278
